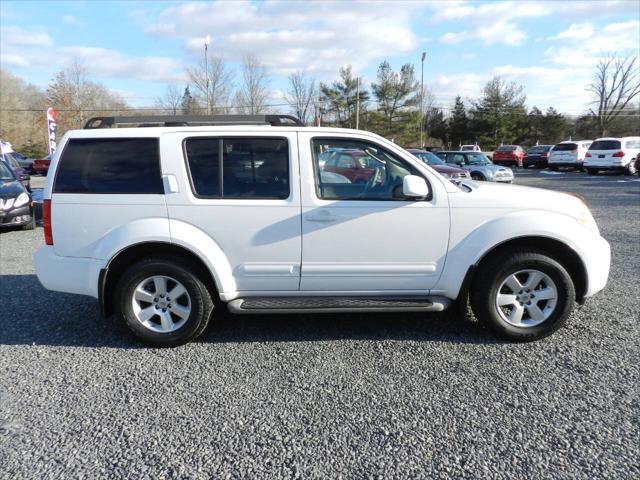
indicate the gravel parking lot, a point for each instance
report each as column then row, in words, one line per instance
column 325, row 396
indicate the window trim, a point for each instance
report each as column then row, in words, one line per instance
column 161, row 190
column 316, row 172
column 221, row 139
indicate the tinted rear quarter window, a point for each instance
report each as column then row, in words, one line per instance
column 632, row 144
column 110, row 165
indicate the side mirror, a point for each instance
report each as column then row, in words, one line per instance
column 414, row 186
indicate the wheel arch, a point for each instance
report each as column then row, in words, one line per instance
column 556, row 249
column 117, row 265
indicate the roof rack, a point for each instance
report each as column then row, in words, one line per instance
column 192, row 120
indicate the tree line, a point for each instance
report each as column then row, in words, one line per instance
column 393, row 105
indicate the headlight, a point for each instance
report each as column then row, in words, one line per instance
column 22, row 199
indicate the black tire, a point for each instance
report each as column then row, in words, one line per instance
column 200, row 296
column 630, row 169
column 492, row 272
column 592, row 171
column 553, row 168
column 477, row 176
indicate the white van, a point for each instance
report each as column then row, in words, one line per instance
column 569, row 153
column 613, row 154
column 163, row 223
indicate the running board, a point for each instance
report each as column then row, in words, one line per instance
column 337, row 304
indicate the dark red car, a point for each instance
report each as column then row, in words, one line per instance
column 356, row 165
column 509, row 155
column 41, row 165
column 438, row 165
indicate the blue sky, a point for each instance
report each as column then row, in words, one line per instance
column 138, row 48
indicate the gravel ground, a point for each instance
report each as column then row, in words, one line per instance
column 333, row 396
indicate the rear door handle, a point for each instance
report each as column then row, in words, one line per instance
column 322, row 217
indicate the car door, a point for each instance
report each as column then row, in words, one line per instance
column 366, row 237
column 242, row 190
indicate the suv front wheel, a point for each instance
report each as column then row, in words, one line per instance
column 164, row 303
column 522, row 295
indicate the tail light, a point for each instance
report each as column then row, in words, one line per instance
column 618, row 154
column 544, row 155
column 588, row 155
column 46, row 222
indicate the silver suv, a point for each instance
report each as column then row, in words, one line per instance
column 478, row 165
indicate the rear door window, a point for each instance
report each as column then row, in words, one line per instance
column 251, row 168
column 109, row 166
column 632, row 144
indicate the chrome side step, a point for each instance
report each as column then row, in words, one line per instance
column 337, row 304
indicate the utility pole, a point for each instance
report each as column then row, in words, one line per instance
column 424, row 55
column 357, row 103
column 207, row 40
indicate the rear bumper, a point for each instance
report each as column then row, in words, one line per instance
column 565, row 164
column 67, row 274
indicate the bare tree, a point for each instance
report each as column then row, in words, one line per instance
column 219, row 81
column 615, row 85
column 302, row 91
column 171, row 101
column 76, row 98
column 252, row 95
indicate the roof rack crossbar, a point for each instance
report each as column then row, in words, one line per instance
column 191, row 120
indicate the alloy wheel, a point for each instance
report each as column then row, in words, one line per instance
column 526, row 298
column 161, row 304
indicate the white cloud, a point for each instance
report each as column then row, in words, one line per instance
column 71, row 20
column 110, row 63
column 572, row 49
column 316, row 36
column 577, row 31
column 16, row 36
column 14, row 60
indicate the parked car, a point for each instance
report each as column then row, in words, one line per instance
column 470, row 148
column 26, row 163
column 41, row 165
column 438, row 164
column 568, row 154
column 637, row 164
column 617, row 154
column 356, row 165
column 509, row 155
column 537, row 156
column 16, row 208
column 161, row 235
column 20, row 173
column 478, row 166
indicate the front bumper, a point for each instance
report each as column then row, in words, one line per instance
column 597, row 263
column 80, row 274
column 16, row 217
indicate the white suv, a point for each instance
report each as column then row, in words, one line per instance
column 617, row 154
column 568, row 154
column 164, row 222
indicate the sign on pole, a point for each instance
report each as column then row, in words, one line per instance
column 52, row 127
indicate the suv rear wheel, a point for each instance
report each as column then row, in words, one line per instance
column 522, row 295
column 164, row 303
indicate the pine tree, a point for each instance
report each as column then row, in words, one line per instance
column 459, row 124
column 188, row 104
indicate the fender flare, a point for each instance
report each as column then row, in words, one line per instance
column 469, row 251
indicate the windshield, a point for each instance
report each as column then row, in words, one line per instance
column 507, row 148
column 477, row 159
column 605, row 145
column 429, row 158
column 5, row 173
column 565, row 147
